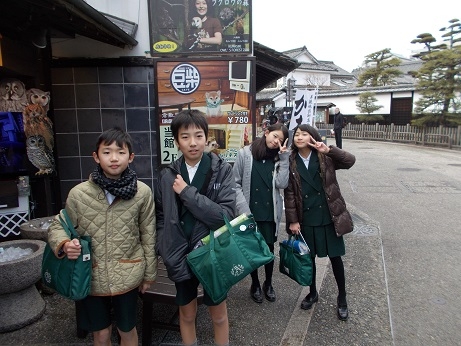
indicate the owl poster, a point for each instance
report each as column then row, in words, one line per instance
column 25, row 123
column 195, row 27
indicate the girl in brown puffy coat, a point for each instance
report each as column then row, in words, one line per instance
column 314, row 205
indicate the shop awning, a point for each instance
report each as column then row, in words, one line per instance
column 22, row 19
column 271, row 65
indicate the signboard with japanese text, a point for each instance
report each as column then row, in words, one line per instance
column 304, row 108
column 220, row 89
column 197, row 27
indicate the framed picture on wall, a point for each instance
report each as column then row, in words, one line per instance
column 196, row 27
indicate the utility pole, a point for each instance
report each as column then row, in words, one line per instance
column 291, row 91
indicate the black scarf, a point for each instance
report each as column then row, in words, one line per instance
column 270, row 154
column 125, row 187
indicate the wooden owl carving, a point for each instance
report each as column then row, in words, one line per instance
column 37, row 96
column 12, row 95
column 36, row 123
column 40, row 156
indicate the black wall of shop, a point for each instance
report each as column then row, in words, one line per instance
column 92, row 96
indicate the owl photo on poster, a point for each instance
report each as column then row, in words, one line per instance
column 12, row 95
column 40, row 97
column 38, row 130
column 37, row 123
column 39, row 154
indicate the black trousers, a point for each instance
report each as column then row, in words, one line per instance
column 339, row 138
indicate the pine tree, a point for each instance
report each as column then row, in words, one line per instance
column 382, row 69
column 439, row 78
column 367, row 104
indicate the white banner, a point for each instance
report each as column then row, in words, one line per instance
column 304, row 108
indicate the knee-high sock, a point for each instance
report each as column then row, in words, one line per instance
column 269, row 267
column 313, row 287
column 338, row 271
column 254, row 278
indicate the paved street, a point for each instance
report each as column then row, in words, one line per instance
column 402, row 267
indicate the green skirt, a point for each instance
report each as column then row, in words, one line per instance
column 267, row 229
column 322, row 241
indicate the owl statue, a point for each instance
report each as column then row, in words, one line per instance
column 40, row 156
column 36, row 123
column 40, row 97
column 12, row 95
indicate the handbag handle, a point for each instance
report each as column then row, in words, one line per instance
column 228, row 224
column 67, row 224
column 295, row 236
column 301, row 235
column 229, row 228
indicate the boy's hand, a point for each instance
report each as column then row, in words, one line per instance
column 179, row 184
column 72, row 249
column 144, row 287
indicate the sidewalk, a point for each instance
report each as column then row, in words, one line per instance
column 279, row 323
column 401, row 269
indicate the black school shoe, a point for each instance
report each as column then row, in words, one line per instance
column 343, row 311
column 269, row 292
column 310, row 299
column 256, row 293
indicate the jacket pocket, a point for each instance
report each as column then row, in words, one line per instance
column 130, row 260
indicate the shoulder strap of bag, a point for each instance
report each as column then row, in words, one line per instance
column 67, row 224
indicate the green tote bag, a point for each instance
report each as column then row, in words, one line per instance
column 295, row 265
column 70, row 278
column 228, row 258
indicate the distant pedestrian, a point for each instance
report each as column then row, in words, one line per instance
column 315, row 207
column 338, row 125
column 273, row 119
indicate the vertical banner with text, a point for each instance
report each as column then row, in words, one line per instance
column 218, row 88
column 304, row 108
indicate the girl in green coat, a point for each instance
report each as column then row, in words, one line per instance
column 261, row 172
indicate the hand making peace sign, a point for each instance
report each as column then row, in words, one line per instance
column 283, row 148
column 320, row 146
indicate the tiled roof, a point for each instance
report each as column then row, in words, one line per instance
column 268, row 94
column 316, row 67
column 295, row 53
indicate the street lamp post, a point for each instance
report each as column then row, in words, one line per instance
column 291, row 91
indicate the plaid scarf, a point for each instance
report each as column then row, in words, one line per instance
column 125, row 187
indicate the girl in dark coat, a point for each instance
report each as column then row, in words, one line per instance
column 314, row 205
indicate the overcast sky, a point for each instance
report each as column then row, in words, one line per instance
column 345, row 31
